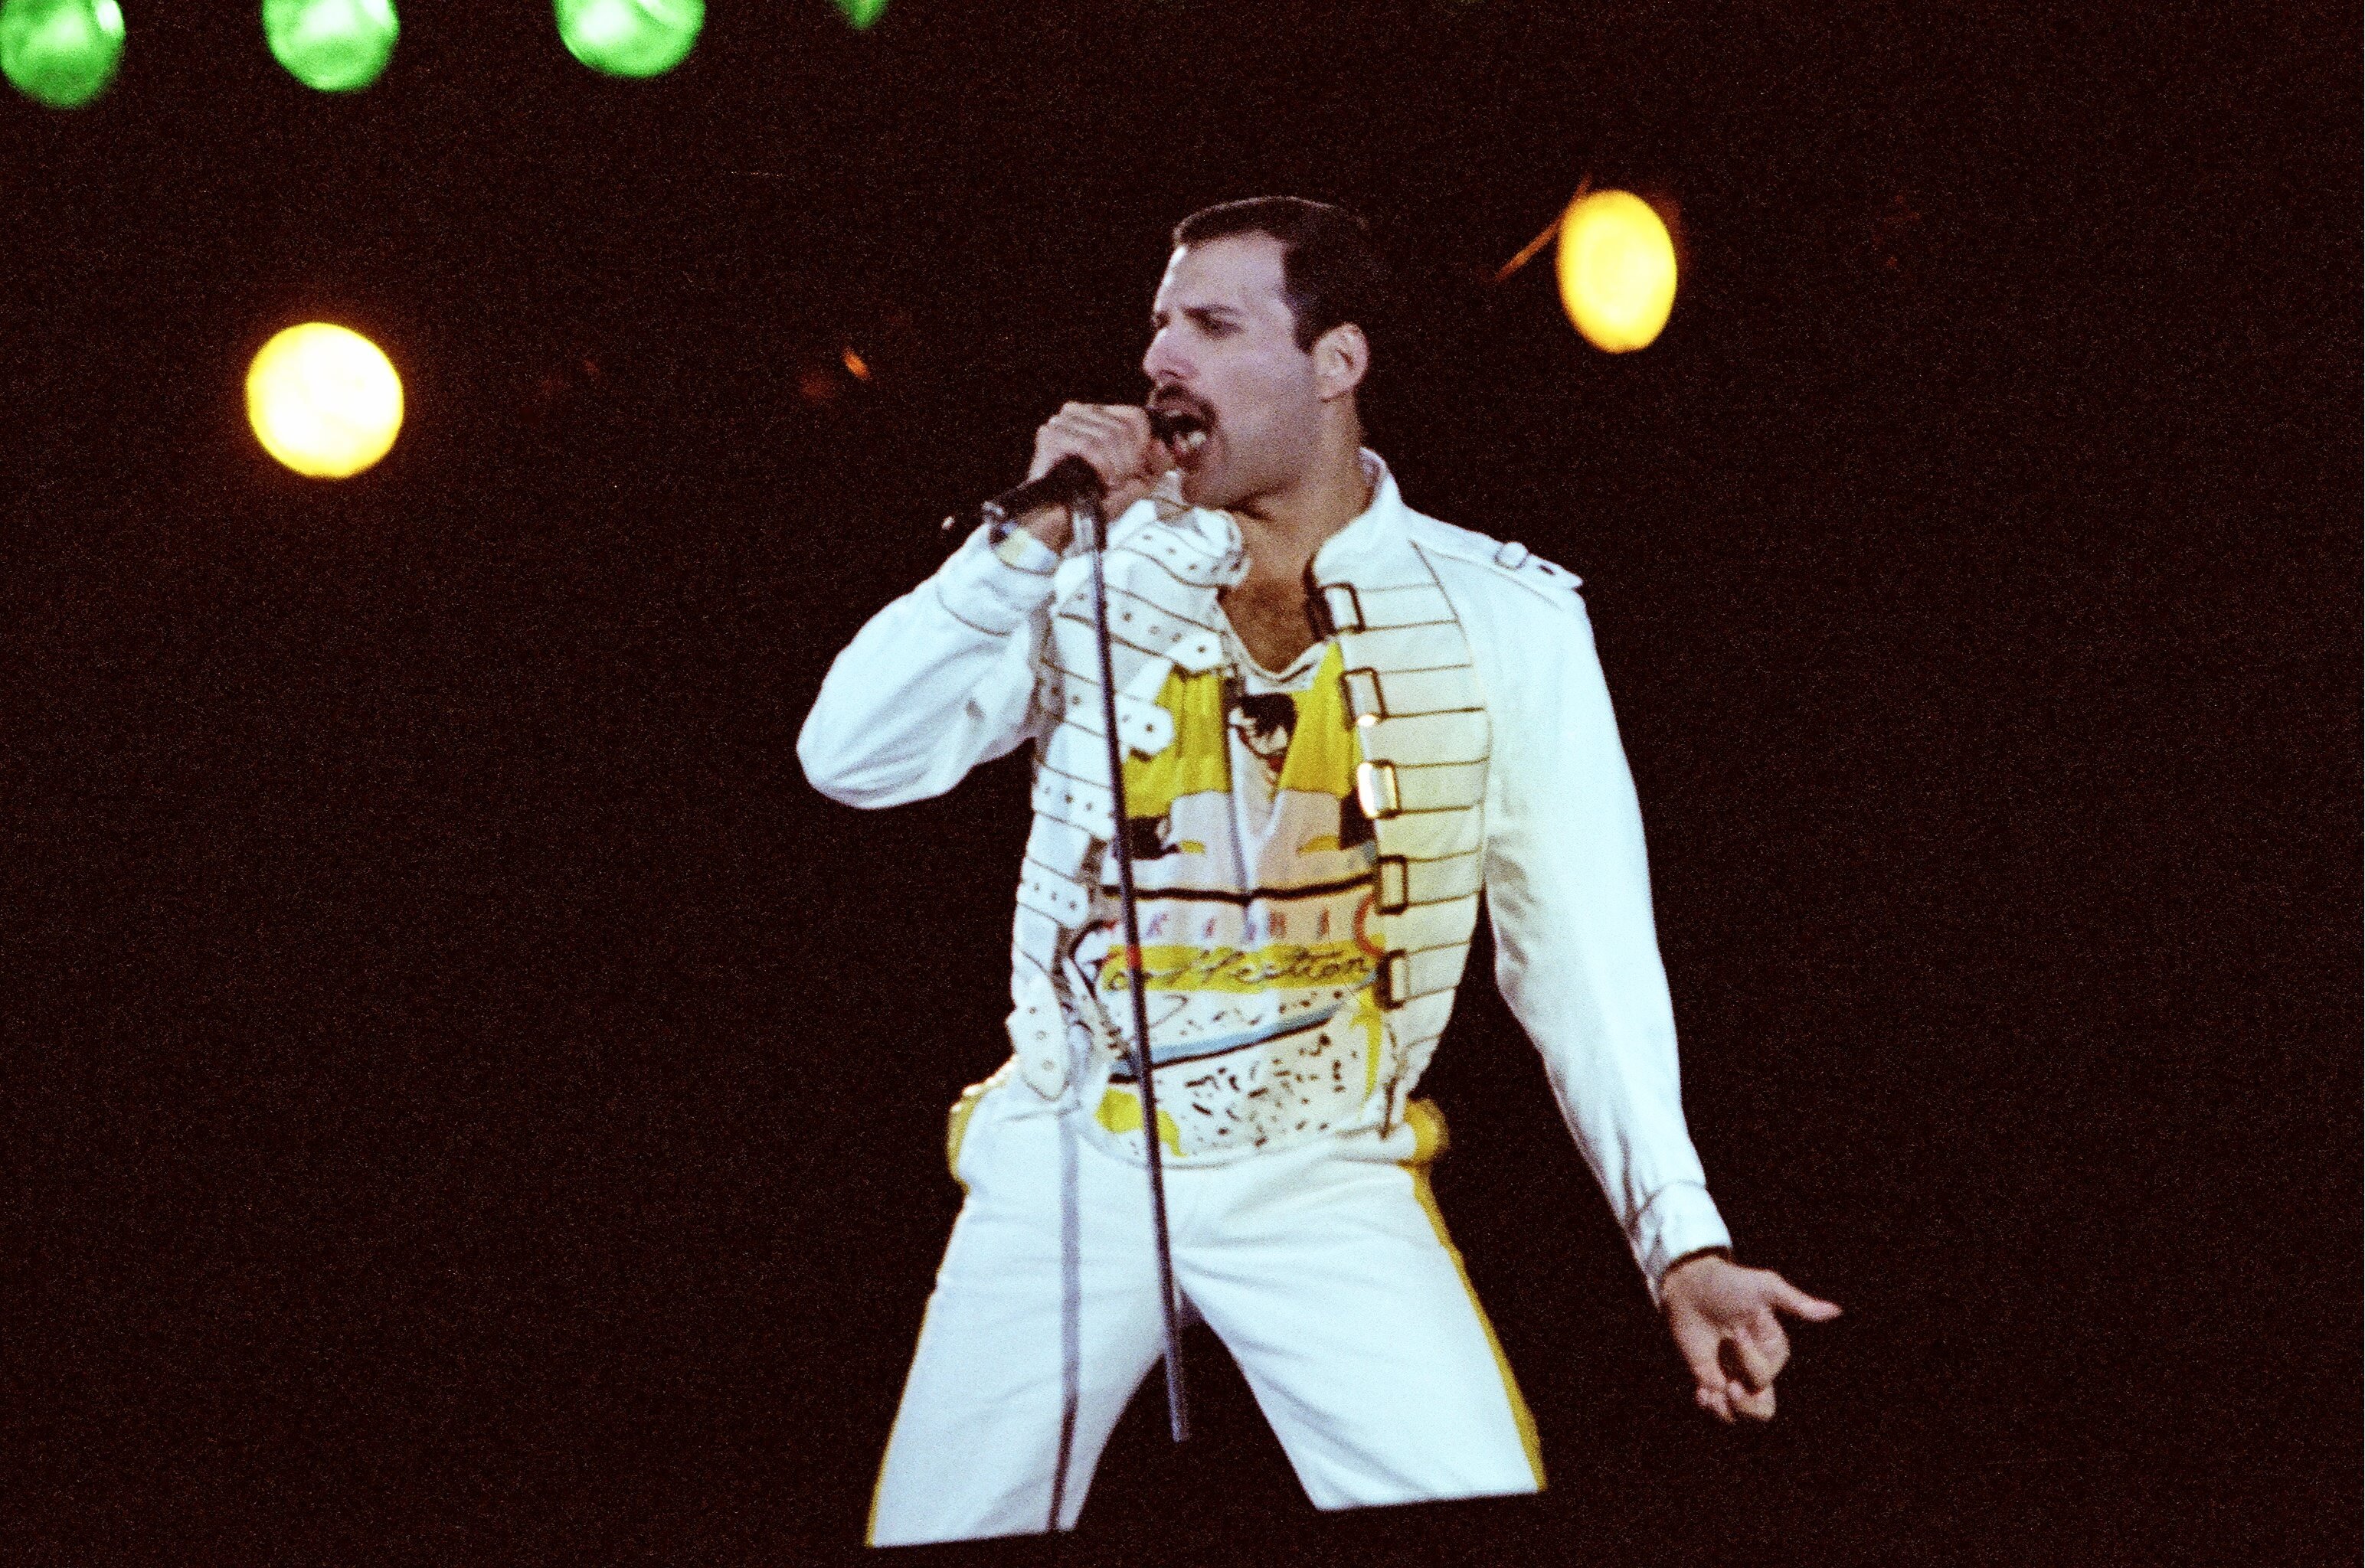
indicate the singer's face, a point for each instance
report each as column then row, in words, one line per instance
column 1223, row 346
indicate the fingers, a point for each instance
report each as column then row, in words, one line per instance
column 1752, row 1357
column 1729, row 1399
column 1697, row 1340
column 1746, row 1361
column 1733, row 1341
column 1699, row 1345
column 1744, row 1364
column 1747, row 1390
column 1799, row 1304
column 1113, row 438
column 1764, row 1330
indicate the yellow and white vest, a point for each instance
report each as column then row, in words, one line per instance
column 1421, row 732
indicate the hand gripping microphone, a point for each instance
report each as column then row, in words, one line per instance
column 1072, row 479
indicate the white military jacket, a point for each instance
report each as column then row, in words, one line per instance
column 1491, row 759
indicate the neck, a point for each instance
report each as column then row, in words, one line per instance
column 1282, row 530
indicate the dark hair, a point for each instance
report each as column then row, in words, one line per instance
column 1329, row 272
column 1267, row 712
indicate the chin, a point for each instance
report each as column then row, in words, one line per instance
column 1203, row 490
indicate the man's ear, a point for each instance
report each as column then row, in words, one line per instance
column 1341, row 355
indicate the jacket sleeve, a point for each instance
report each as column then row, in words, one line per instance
column 940, row 680
column 1576, row 955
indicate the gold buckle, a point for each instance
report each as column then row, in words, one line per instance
column 1332, row 597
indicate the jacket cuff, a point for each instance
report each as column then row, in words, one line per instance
column 1680, row 1219
column 995, row 589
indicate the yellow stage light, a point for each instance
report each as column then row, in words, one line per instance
column 323, row 400
column 1616, row 270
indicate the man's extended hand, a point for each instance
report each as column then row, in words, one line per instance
column 1722, row 1317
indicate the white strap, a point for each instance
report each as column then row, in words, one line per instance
column 1425, row 925
column 1386, row 788
column 1144, row 725
column 1135, row 623
column 1404, row 976
column 1077, row 802
column 1433, row 835
column 1038, row 1031
column 1428, row 739
column 1047, row 893
column 1186, row 557
column 1422, row 1018
column 1405, row 647
column 1058, row 844
column 1360, row 608
column 1037, row 937
column 1405, row 881
column 1385, row 694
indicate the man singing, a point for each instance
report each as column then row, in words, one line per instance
column 1342, row 720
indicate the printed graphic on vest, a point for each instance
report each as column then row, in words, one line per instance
column 1254, row 862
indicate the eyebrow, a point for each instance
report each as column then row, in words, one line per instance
column 1202, row 314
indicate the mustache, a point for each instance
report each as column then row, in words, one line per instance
column 1174, row 414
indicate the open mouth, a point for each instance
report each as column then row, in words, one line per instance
column 1182, row 426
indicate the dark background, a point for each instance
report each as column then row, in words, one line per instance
column 469, row 1100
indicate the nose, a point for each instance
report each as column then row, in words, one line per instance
column 1163, row 364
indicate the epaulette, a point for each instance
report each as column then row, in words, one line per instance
column 1514, row 561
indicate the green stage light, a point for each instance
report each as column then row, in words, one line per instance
column 862, row 13
column 337, row 46
column 63, row 53
column 630, row 37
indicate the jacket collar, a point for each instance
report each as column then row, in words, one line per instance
column 1376, row 534
column 1379, row 531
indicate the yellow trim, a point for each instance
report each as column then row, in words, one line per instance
column 1427, row 1125
column 1428, row 1137
column 1367, row 1016
column 1323, row 745
column 1323, row 749
column 1196, row 762
column 955, row 1129
column 956, row 1124
column 1120, row 1112
column 1178, row 966
column 879, row 1484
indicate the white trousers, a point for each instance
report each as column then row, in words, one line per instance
column 1325, row 1269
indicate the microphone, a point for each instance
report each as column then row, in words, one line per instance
column 1072, row 479
column 1066, row 482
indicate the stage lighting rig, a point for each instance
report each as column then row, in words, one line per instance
column 61, row 52
column 335, row 46
column 631, row 37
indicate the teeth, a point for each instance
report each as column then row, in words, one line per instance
column 1190, row 442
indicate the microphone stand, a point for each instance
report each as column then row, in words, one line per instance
column 1085, row 514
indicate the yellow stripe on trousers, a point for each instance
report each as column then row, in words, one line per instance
column 878, row 1486
column 957, row 1120
column 956, row 1128
column 1428, row 1124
